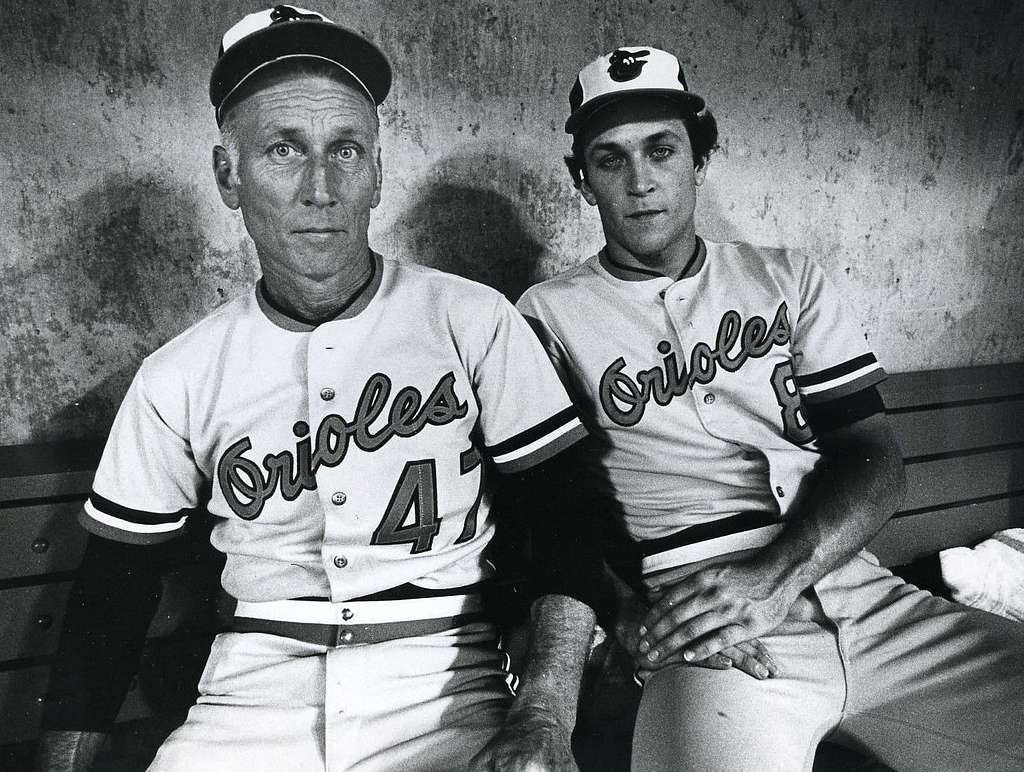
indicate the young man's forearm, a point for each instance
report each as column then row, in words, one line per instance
column 858, row 488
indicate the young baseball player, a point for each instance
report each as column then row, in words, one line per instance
column 340, row 423
column 746, row 454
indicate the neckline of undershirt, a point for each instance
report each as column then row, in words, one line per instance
column 630, row 273
column 360, row 299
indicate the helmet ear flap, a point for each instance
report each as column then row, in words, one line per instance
column 575, row 170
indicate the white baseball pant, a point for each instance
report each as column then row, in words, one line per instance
column 268, row 702
column 865, row 660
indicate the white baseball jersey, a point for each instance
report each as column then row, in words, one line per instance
column 696, row 385
column 342, row 459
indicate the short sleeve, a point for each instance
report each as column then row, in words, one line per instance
column 526, row 415
column 147, row 482
column 832, row 358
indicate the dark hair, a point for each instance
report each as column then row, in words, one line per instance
column 701, row 128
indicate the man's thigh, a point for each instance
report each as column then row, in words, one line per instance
column 933, row 684
column 270, row 703
column 425, row 703
column 693, row 718
column 260, row 707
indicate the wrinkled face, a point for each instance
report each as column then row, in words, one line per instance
column 641, row 177
column 305, row 172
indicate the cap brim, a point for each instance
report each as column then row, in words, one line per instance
column 691, row 103
column 299, row 39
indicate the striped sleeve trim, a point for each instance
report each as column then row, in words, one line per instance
column 538, row 443
column 119, row 521
column 843, row 379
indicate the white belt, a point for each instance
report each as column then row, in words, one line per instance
column 360, row 612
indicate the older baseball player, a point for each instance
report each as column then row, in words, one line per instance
column 340, row 423
column 745, row 452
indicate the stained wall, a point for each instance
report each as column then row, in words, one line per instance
column 887, row 138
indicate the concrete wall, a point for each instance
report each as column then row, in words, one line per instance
column 885, row 137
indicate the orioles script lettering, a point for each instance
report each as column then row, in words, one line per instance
column 247, row 485
column 624, row 399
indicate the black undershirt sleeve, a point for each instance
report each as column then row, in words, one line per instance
column 836, row 413
column 111, row 604
column 553, row 503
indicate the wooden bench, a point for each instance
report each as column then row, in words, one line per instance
column 42, row 487
column 962, row 433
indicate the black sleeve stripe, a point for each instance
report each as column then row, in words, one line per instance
column 92, row 525
column 838, row 371
column 534, row 433
column 108, row 507
column 545, row 452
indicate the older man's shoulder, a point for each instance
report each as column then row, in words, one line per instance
column 413, row 277
column 204, row 337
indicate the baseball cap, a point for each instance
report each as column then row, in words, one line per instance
column 287, row 32
column 627, row 71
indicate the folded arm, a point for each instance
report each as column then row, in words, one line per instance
column 568, row 579
column 857, row 486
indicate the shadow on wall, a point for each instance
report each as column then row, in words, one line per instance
column 129, row 270
column 460, row 225
column 995, row 256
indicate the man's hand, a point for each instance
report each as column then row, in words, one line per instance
column 715, row 609
column 750, row 657
column 531, row 740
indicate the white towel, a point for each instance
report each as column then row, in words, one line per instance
column 989, row 576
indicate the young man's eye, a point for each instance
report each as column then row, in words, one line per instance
column 609, row 162
column 661, row 153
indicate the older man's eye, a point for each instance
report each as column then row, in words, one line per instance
column 281, row 150
column 347, row 152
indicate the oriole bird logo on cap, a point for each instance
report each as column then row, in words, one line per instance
column 288, row 13
column 626, row 65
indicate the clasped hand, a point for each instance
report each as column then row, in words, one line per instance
column 710, row 618
column 531, row 740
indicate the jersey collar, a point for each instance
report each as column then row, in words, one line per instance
column 631, row 274
column 359, row 302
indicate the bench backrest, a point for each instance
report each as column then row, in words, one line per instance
column 961, row 430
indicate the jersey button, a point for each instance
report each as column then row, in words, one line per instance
column 338, row 498
column 327, row 394
column 709, row 399
column 340, row 561
column 347, row 614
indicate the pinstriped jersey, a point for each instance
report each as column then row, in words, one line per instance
column 338, row 460
column 696, row 385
